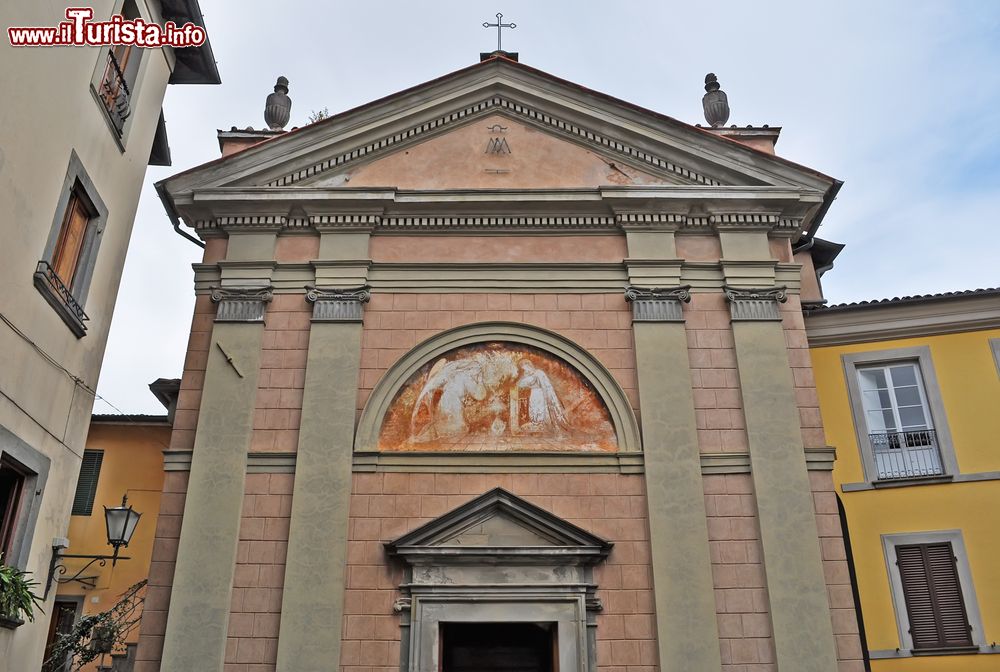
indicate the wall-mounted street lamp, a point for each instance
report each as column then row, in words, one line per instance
column 121, row 522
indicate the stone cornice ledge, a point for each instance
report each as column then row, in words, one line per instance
column 780, row 209
column 817, row 459
column 887, row 654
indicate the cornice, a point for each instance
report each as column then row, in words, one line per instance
column 906, row 320
column 402, row 224
column 431, row 277
column 817, row 459
column 345, row 222
column 650, row 221
column 707, row 209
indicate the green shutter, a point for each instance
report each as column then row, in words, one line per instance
column 86, row 487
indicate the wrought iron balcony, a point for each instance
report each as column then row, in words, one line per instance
column 60, row 297
column 906, row 454
column 115, row 93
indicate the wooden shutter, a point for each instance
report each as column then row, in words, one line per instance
column 66, row 256
column 86, row 487
column 933, row 595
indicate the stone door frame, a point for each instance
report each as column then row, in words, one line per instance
column 545, row 577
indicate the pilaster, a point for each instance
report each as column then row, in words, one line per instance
column 800, row 610
column 687, row 632
column 344, row 258
column 315, row 573
column 197, row 621
column 652, row 250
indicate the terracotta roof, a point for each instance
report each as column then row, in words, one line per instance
column 899, row 300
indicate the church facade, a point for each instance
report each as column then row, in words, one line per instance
column 500, row 373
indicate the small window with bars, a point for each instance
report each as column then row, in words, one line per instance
column 935, row 606
column 86, row 486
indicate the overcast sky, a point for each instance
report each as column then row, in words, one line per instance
column 899, row 99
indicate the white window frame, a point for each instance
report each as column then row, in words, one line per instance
column 889, row 544
column 928, row 457
column 921, row 356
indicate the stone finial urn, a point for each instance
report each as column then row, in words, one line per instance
column 278, row 107
column 715, row 102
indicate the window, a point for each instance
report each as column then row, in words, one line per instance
column 66, row 257
column 899, row 415
column 898, row 421
column 119, row 69
column 23, row 473
column 932, row 592
column 86, row 486
column 64, row 272
column 12, row 480
column 933, row 596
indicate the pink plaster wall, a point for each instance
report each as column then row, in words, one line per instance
column 386, row 505
column 498, row 249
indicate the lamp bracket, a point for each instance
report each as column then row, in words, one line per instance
column 56, row 566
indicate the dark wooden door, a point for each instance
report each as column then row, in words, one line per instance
column 498, row 647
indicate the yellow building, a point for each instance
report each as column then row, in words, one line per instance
column 123, row 456
column 909, row 391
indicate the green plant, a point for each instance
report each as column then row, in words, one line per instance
column 319, row 115
column 16, row 596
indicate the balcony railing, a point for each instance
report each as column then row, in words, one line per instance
column 115, row 93
column 46, row 276
column 906, row 454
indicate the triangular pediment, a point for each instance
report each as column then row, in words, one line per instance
column 495, row 151
column 438, row 136
column 500, row 525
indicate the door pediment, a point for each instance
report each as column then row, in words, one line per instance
column 499, row 527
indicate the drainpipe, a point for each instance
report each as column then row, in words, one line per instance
column 174, row 217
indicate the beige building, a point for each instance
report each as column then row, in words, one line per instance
column 501, row 373
column 76, row 134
